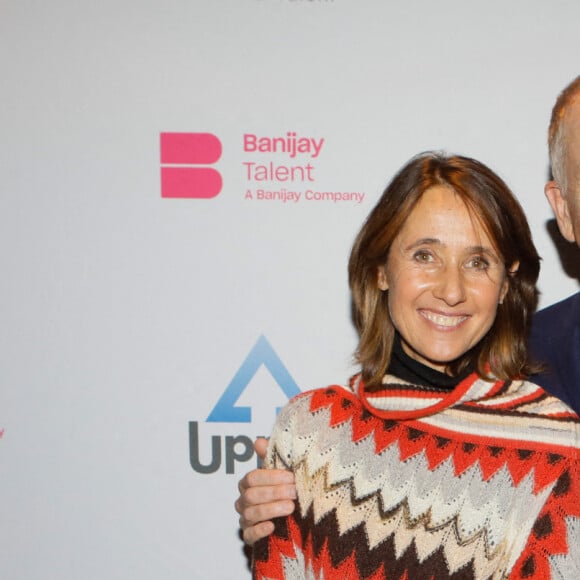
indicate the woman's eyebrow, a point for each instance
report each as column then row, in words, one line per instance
column 488, row 251
column 425, row 242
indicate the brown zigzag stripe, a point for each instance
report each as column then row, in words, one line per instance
column 387, row 514
column 348, row 483
column 325, row 534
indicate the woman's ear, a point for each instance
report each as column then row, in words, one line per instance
column 382, row 281
column 512, row 270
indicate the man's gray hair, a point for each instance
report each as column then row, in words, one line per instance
column 556, row 141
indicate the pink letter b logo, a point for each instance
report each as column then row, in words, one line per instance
column 181, row 155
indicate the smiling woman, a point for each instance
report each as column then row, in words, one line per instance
column 451, row 231
column 439, row 460
column 445, row 280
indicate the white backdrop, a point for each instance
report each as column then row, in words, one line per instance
column 127, row 316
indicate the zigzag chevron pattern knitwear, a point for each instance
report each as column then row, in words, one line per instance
column 406, row 482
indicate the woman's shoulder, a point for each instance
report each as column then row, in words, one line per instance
column 311, row 402
column 330, row 392
column 535, row 397
column 540, row 414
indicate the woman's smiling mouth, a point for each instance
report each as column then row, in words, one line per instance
column 443, row 319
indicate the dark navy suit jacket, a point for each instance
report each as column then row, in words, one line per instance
column 555, row 341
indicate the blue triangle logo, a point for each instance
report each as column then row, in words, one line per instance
column 262, row 353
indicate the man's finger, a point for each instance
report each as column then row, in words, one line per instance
column 266, row 477
column 257, row 532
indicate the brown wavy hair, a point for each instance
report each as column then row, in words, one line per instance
column 502, row 352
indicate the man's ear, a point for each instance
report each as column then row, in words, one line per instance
column 560, row 208
column 382, row 281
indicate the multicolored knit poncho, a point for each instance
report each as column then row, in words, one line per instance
column 406, row 482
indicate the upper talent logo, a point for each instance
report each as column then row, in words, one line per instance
column 182, row 154
column 262, row 353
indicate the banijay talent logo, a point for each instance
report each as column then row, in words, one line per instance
column 238, row 448
column 184, row 161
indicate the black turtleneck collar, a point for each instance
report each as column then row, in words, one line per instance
column 408, row 369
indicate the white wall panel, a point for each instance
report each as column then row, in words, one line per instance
column 125, row 316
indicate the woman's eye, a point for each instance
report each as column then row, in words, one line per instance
column 423, row 256
column 478, row 263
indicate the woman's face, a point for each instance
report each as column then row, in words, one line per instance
column 444, row 278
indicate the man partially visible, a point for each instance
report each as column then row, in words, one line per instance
column 555, row 339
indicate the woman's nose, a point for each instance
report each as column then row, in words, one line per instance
column 450, row 286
